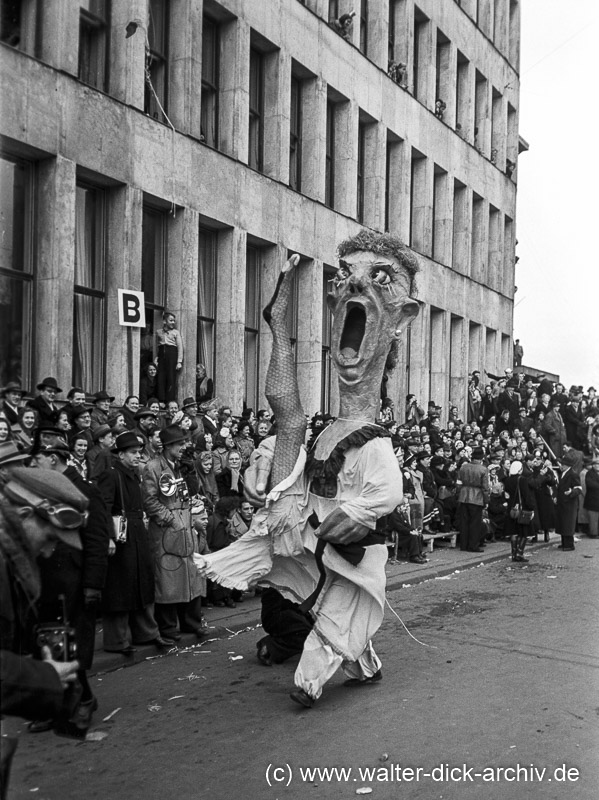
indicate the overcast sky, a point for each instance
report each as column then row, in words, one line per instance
column 556, row 316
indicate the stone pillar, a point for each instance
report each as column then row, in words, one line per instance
column 462, row 228
column 55, row 272
column 230, row 317
column 309, row 334
column 421, row 228
column 458, row 367
column 60, row 35
column 495, row 248
column 490, row 359
column 182, row 290
column 185, row 66
column 448, row 81
column 404, row 38
column 378, row 33
column 374, row 175
column 438, row 358
column 501, row 26
column 234, row 106
column 276, row 118
column 398, row 188
column 474, row 347
column 424, row 90
column 346, row 158
column 465, row 100
column 499, row 130
column 314, row 131
column 480, row 237
column 123, row 271
column 443, row 218
column 127, row 55
column 419, row 374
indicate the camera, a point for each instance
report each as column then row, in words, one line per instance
column 59, row 638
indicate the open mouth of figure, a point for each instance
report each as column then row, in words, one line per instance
column 353, row 333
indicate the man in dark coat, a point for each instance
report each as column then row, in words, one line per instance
column 44, row 403
column 509, row 400
column 129, row 592
column 473, row 480
column 576, row 431
column 79, row 575
column 569, row 489
column 591, row 498
column 553, row 429
column 11, row 397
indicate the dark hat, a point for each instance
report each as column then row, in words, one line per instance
column 45, row 490
column 58, row 448
column 569, row 459
column 78, row 411
column 48, row 430
column 189, row 401
column 126, row 441
column 421, row 455
column 512, row 383
column 102, row 395
column 172, row 435
column 437, row 461
column 478, row 454
column 144, row 412
column 12, row 386
column 590, row 389
column 74, row 390
column 100, row 431
column 10, row 454
column 51, row 383
column 413, row 442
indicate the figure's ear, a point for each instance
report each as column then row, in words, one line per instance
column 409, row 312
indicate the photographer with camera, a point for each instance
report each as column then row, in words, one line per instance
column 38, row 508
column 167, row 503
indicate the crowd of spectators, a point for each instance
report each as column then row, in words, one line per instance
column 166, row 480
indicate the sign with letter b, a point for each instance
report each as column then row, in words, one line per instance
column 132, row 311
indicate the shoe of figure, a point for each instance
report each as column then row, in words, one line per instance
column 353, row 682
column 302, row 698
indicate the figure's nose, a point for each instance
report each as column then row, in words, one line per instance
column 356, row 285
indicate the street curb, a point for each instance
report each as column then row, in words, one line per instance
column 112, row 662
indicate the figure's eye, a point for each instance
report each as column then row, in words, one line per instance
column 343, row 271
column 381, row 276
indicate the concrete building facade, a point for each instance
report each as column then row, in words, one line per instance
column 184, row 148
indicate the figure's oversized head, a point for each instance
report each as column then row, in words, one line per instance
column 371, row 302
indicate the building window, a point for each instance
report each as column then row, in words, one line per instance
column 155, row 102
column 364, row 26
column 295, row 136
column 333, row 10
column 361, row 165
column 327, row 333
column 208, row 241
column 329, row 187
column 210, row 82
column 94, row 27
column 89, row 301
column 153, row 277
column 422, row 55
column 16, row 270
column 256, row 138
column 252, row 326
column 20, row 25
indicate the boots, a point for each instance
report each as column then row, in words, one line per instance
column 520, row 544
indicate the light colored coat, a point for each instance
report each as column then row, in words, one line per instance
column 171, row 537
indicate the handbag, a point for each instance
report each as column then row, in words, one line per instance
column 521, row 515
column 119, row 521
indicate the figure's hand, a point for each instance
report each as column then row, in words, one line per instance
column 291, row 262
column 66, row 670
column 179, row 365
column 256, row 481
column 111, row 547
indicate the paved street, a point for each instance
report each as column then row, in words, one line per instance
column 508, row 677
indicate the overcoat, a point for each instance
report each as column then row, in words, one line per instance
column 591, row 499
column 172, row 539
column 567, row 504
column 130, row 576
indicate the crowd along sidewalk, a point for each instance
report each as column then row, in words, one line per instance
column 223, row 622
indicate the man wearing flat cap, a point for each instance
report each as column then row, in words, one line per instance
column 38, row 508
column 129, row 590
column 99, row 458
column 474, row 493
column 167, row 504
column 11, row 397
column 101, row 410
column 45, row 402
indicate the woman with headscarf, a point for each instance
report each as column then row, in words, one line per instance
column 207, row 479
column 519, row 493
column 230, row 481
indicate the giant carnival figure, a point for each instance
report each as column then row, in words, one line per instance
column 315, row 538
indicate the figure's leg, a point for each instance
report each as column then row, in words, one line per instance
column 366, row 670
column 318, row 664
